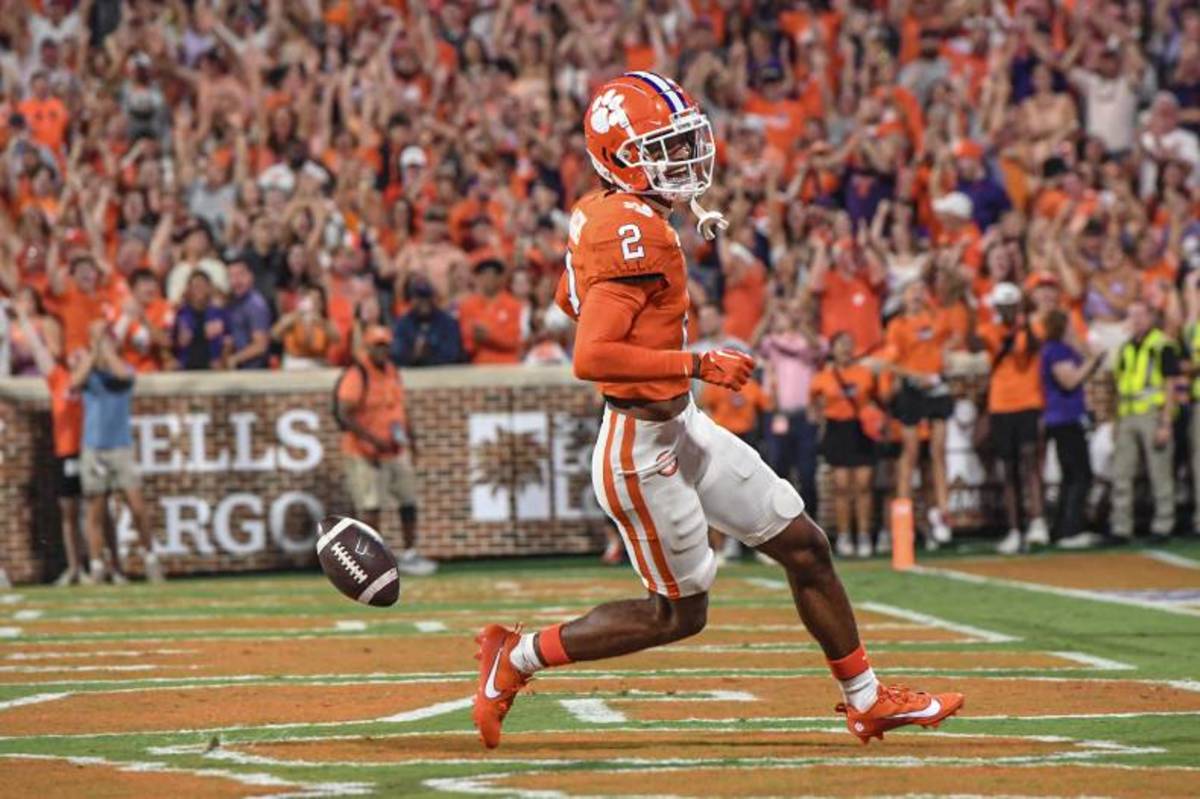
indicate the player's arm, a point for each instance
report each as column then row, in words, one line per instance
column 602, row 353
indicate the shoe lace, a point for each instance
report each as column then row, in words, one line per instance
column 897, row 694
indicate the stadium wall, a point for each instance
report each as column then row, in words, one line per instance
column 237, row 467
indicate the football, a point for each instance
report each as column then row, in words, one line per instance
column 358, row 563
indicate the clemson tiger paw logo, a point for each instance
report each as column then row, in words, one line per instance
column 607, row 112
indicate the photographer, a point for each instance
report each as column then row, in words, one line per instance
column 1014, row 406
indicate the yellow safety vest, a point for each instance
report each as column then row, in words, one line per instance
column 1193, row 344
column 1139, row 375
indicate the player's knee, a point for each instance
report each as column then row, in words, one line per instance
column 686, row 617
column 808, row 551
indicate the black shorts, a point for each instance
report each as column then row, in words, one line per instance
column 67, row 471
column 1009, row 432
column 914, row 404
column 845, row 446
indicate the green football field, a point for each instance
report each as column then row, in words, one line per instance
column 1082, row 676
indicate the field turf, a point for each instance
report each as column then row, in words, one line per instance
column 1082, row 676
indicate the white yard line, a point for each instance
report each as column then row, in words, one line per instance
column 978, row 633
column 430, row 626
column 258, row 780
column 33, row 699
column 1095, row 662
column 429, row 711
column 28, row 614
column 593, row 711
column 1073, row 593
column 1171, row 558
column 10, row 632
column 116, row 653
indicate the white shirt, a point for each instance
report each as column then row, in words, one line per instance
column 1180, row 144
column 1110, row 108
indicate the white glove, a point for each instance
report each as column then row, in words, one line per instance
column 708, row 223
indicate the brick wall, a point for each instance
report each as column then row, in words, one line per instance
column 237, row 465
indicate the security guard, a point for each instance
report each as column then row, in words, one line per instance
column 1191, row 341
column 1146, row 369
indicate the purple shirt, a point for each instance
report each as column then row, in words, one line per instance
column 794, row 362
column 1062, row 407
column 248, row 314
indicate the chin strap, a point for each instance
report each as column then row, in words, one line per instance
column 708, row 223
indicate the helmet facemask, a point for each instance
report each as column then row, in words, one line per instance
column 677, row 159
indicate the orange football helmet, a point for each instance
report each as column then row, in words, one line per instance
column 647, row 136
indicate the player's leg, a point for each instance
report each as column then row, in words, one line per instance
column 642, row 474
column 742, row 496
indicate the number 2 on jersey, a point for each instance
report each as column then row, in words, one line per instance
column 630, row 236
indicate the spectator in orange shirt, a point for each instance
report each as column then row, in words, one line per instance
column 916, row 343
column 144, row 325
column 1014, row 406
column 45, row 114
column 837, row 396
column 66, row 418
column 956, row 230
column 490, row 318
column 80, row 295
column 307, row 333
column 781, row 117
column 745, row 296
column 737, row 411
column 851, row 293
column 378, row 443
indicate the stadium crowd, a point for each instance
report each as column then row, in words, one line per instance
column 1003, row 189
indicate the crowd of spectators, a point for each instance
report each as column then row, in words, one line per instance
column 246, row 185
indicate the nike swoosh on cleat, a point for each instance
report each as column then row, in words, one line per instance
column 932, row 709
column 489, row 688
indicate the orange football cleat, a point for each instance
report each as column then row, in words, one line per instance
column 896, row 707
column 499, row 681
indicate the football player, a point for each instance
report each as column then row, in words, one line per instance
column 662, row 470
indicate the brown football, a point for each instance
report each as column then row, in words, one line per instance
column 358, row 563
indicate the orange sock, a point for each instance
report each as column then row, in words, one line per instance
column 850, row 666
column 550, row 646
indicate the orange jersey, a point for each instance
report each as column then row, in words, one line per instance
column 1016, row 383
column 618, row 235
column 503, row 321
column 736, row 411
column 915, row 342
column 843, row 392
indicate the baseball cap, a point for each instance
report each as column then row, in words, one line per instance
column 1005, row 294
column 954, row 204
column 1039, row 279
column 412, row 155
column 968, row 149
column 377, row 334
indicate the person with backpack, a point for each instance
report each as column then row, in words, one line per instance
column 378, row 444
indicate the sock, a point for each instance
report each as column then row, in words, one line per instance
column 524, row 656
column 536, row 651
column 98, row 567
column 857, row 678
